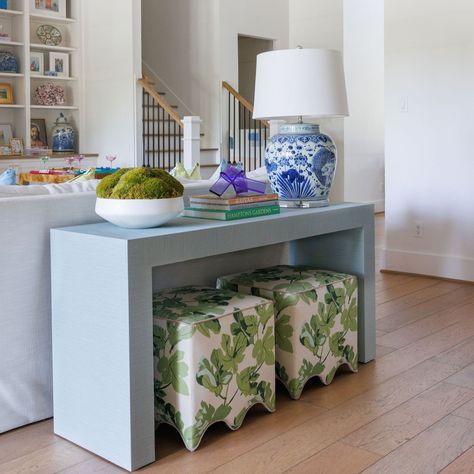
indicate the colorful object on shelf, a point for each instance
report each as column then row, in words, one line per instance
column 179, row 171
column 111, row 159
column 8, row 177
column 83, row 176
column 44, row 162
column 239, row 207
column 316, row 320
column 8, row 62
column 3, row 4
column 106, row 170
column 214, row 354
column 233, row 176
column 49, row 35
column 64, row 135
column 49, row 94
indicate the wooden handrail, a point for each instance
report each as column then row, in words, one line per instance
column 158, row 98
column 242, row 100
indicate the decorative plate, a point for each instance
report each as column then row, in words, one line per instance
column 49, row 35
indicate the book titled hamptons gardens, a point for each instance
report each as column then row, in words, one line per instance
column 227, row 209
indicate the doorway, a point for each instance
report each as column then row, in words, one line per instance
column 249, row 48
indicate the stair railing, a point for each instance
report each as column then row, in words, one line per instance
column 246, row 138
column 163, row 129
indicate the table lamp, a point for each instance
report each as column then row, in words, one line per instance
column 300, row 160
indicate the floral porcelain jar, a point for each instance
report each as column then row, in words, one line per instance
column 8, row 62
column 301, row 163
column 64, row 135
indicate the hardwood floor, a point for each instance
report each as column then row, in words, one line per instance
column 411, row 411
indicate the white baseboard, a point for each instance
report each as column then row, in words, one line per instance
column 444, row 266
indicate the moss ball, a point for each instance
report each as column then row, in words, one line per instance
column 140, row 183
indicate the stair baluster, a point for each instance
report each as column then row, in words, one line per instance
column 242, row 130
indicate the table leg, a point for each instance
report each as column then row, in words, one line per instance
column 102, row 349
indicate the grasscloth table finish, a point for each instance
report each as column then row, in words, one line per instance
column 103, row 278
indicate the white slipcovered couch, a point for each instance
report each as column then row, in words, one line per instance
column 26, row 216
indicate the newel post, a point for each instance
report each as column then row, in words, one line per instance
column 191, row 141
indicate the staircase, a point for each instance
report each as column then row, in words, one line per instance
column 163, row 128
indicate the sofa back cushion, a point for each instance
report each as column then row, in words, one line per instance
column 43, row 190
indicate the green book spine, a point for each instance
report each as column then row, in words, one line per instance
column 232, row 215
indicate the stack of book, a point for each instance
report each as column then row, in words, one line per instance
column 232, row 208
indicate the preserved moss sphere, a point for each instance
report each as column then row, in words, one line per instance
column 140, row 183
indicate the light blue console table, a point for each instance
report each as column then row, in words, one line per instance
column 102, row 283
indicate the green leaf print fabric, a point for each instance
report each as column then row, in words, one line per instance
column 315, row 320
column 214, row 358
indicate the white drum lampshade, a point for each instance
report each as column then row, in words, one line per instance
column 300, row 82
column 300, row 160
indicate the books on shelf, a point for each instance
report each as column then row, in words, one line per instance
column 227, row 209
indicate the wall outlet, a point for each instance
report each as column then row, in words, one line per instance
column 418, row 230
column 404, row 104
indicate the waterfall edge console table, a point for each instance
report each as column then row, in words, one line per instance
column 103, row 279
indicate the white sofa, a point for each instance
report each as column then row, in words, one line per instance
column 26, row 216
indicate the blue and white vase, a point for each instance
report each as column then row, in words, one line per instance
column 301, row 164
column 64, row 135
column 8, row 62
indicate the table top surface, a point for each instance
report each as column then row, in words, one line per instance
column 182, row 225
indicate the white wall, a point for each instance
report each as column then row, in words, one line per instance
column 319, row 24
column 181, row 46
column 364, row 128
column 429, row 46
column 112, row 64
column 193, row 47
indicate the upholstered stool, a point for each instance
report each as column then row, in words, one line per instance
column 315, row 320
column 214, row 358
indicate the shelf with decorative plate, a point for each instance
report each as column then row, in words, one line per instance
column 52, row 19
column 11, row 106
column 66, row 49
column 10, row 13
column 54, row 78
column 11, row 43
column 11, row 74
column 55, row 107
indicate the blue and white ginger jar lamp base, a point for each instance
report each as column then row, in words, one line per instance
column 301, row 164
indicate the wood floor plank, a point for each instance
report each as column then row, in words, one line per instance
column 337, row 458
column 464, row 464
column 383, row 350
column 47, row 460
column 23, row 441
column 435, row 345
column 464, row 378
column 393, row 429
column 426, row 326
column 466, row 411
column 459, row 355
column 94, row 465
column 297, row 444
column 221, row 445
column 404, row 289
column 462, row 295
column 395, row 280
column 430, row 451
column 417, row 297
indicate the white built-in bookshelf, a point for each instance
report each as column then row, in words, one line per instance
column 21, row 23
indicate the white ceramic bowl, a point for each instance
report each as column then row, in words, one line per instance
column 139, row 213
